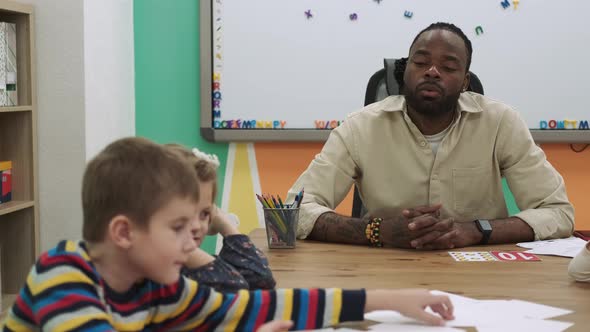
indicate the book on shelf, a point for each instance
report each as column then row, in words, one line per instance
column 6, row 181
column 8, row 65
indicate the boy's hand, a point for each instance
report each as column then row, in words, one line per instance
column 222, row 223
column 276, row 326
column 198, row 258
column 411, row 303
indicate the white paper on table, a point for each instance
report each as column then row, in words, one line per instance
column 481, row 313
column 569, row 247
column 502, row 315
column 537, row 325
column 410, row 328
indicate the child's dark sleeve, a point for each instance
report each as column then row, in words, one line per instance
column 218, row 275
column 239, row 252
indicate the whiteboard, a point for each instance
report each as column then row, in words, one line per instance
column 266, row 61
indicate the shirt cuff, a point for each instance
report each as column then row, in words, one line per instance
column 547, row 223
column 308, row 214
column 353, row 305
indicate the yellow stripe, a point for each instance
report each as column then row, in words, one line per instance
column 191, row 286
column 336, row 306
column 131, row 326
column 13, row 324
column 77, row 321
column 288, row 298
column 68, row 277
column 238, row 312
column 71, row 246
column 242, row 200
column 214, row 307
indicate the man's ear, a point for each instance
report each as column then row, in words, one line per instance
column 466, row 82
column 120, row 231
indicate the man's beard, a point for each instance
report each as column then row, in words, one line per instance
column 433, row 107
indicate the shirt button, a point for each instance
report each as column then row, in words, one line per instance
column 422, row 144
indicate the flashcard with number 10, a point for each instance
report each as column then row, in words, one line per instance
column 515, row 256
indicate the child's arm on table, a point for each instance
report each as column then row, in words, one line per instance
column 307, row 308
column 238, row 259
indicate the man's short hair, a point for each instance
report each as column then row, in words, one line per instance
column 454, row 29
column 134, row 177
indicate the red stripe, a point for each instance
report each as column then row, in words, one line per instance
column 78, row 262
column 25, row 309
column 159, row 293
column 65, row 302
column 191, row 311
column 312, row 309
column 263, row 312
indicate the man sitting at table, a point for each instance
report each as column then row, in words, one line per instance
column 429, row 164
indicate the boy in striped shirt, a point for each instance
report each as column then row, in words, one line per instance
column 141, row 204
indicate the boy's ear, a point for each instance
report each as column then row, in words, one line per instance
column 120, row 228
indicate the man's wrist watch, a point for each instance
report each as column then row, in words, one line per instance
column 484, row 226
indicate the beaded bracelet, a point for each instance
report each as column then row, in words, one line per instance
column 372, row 232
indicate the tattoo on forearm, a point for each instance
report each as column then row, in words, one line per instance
column 331, row 227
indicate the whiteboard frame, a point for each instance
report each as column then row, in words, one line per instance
column 212, row 134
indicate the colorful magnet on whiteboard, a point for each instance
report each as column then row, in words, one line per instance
column 515, row 3
column 353, row 16
column 378, row 1
column 505, row 4
column 218, row 56
column 478, row 30
column 408, row 14
column 308, row 14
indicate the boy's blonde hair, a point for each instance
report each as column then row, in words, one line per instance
column 204, row 165
column 134, row 177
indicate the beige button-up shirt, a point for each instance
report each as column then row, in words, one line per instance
column 381, row 150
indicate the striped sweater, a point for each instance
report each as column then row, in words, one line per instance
column 64, row 292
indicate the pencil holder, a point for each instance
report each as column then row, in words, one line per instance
column 281, row 227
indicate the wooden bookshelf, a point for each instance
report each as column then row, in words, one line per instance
column 19, row 218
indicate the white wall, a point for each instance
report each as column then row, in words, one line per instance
column 83, row 103
column 109, row 72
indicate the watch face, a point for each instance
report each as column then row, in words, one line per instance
column 484, row 225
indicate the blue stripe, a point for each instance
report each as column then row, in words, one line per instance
column 303, row 308
column 105, row 326
column 254, row 310
column 58, row 296
column 222, row 311
column 25, row 297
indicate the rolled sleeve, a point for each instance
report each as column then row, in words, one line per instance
column 539, row 190
column 326, row 181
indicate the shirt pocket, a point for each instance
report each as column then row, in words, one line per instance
column 471, row 190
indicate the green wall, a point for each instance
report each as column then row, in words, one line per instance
column 167, row 83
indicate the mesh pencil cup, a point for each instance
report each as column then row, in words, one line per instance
column 281, row 227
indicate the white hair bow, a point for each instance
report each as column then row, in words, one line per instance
column 206, row 156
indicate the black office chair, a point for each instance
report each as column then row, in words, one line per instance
column 386, row 82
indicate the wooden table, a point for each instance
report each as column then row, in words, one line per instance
column 315, row 264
